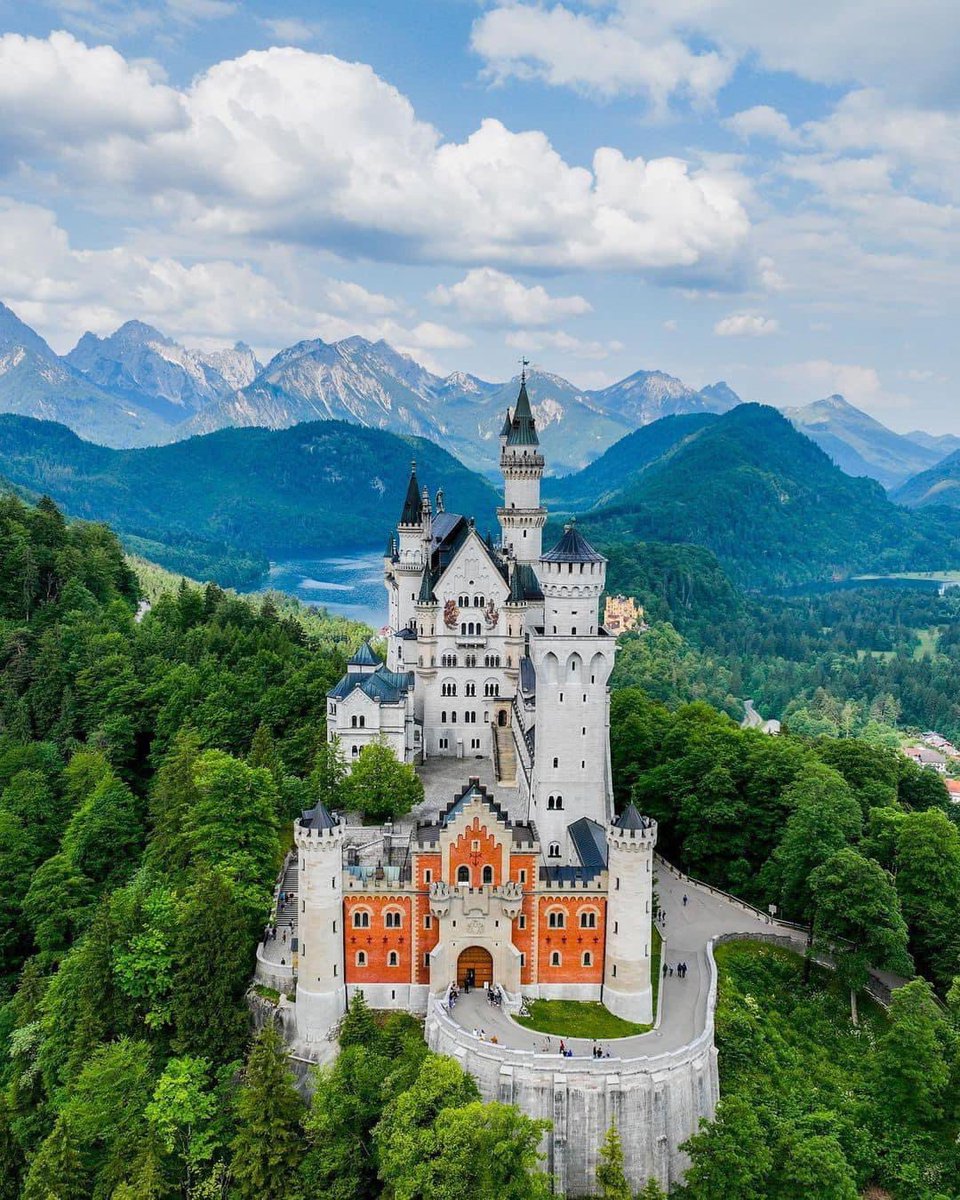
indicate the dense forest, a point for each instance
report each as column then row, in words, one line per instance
column 863, row 661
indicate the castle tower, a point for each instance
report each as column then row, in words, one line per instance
column 403, row 577
column 522, row 517
column 627, row 990
column 573, row 657
column 320, row 977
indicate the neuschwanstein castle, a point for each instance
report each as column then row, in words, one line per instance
column 495, row 685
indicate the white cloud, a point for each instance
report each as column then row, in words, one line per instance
column 602, row 55
column 191, row 11
column 746, row 325
column 561, row 343
column 491, row 298
column 290, row 31
column 761, row 121
column 816, row 378
column 300, row 147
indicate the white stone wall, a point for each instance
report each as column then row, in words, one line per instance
column 656, row 1102
column 321, row 997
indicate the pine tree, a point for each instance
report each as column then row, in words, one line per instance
column 267, row 1146
column 358, row 1027
column 611, row 1178
column 57, row 1172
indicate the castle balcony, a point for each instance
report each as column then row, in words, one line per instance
column 474, row 640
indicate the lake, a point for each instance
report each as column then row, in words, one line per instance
column 350, row 585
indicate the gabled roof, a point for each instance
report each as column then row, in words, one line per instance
column 363, row 657
column 386, row 687
column 413, row 503
column 590, row 843
column 523, row 429
column 528, row 675
column 426, row 595
column 529, row 583
column 521, row 833
column 516, row 588
column 317, row 818
column 572, row 547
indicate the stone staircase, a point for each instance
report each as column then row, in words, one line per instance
column 505, row 756
column 287, row 915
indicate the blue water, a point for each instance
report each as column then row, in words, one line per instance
column 349, row 584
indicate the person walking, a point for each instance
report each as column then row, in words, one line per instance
column 684, row 900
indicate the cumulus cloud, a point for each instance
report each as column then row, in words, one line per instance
column 820, row 377
column 746, row 325
column 300, row 147
column 493, row 299
column 291, row 31
column 761, row 121
column 603, row 55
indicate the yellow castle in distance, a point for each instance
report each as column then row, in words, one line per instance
column 622, row 614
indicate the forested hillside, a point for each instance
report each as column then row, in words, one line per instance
column 216, row 507
column 771, row 506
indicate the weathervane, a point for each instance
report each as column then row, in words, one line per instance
column 524, row 363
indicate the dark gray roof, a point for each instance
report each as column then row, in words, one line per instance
column 523, row 430
column 572, row 547
column 590, row 843
column 406, row 633
column 413, row 503
column 388, row 687
column 426, row 595
column 527, row 583
column 630, row 818
column 390, row 549
column 516, row 588
column 317, row 818
column 504, row 432
column 364, row 657
column 528, row 675
column 473, row 789
column 555, row 874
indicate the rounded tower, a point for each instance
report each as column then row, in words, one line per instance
column 321, row 995
column 522, row 517
column 627, row 990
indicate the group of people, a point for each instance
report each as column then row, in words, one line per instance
column 566, row 1052
column 494, row 996
column 454, row 995
column 681, row 970
column 482, row 1035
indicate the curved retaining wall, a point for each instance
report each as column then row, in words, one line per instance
column 656, row 1101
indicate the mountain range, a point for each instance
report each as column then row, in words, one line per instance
column 745, row 484
column 139, row 387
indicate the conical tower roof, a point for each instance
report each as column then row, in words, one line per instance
column 318, row 817
column 364, row 657
column 505, row 431
column 523, row 430
column 413, row 503
column 426, row 588
column 572, row 547
column 630, row 818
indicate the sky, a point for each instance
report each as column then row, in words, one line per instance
column 765, row 193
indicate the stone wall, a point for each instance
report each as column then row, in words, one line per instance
column 656, row 1101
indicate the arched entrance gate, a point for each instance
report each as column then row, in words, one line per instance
column 474, row 967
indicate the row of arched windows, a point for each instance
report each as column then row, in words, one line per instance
column 557, row 918
column 554, row 802
column 393, row 958
column 469, row 717
column 470, row 629
column 463, row 601
column 556, row 958
column 392, row 918
column 464, row 875
column 358, row 722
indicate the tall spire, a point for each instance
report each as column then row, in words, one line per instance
column 523, row 430
column 412, row 505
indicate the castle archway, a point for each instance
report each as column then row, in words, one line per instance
column 474, row 967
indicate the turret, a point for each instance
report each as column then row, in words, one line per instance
column 627, row 990
column 411, row 521
column 321, row 996
column 572, row 578
column 521, row 518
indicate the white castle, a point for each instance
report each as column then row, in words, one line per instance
column 515, row 874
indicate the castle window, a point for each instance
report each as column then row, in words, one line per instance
column 336, row 971
column 393, row 959
column 354, row 751
column 463, row 874
column 551, row 802
column 523, row 876
column 353, row 722
column 361, row 919
column 448, row 688
column 522, row 921
column 488, row 874
column 392, row 919
column 556, row 919
column 555, row 958
column 443, row 717
column 588, row 919
column 491, row 688
column 453, row 718
column 361, row 958
column 554, row 851
column 556, row 762
column 428, row 876
column 614, row 970
column 559, row 802
column 462, row 601
column 587, row 959
column 363, row 721
column 443, row 741
column 428, row 922
column 616, row 927
column 523, row 959
column 470, row 689
column 426, row 958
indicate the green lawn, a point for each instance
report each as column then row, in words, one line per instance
column 577, row 1018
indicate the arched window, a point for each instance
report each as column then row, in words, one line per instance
column 470, row 689
column 491, row 688
column 556, row 762
column 556, row 919
column 363, row 721
column 551, row 802
column 555, row 958
column 554, row 850
column 393, row 959
column 443, row 717
column 361, row 919
column 587, row 959
column 453, row 718
column 448, row 688
column 488, row 874
column 559, row 802
column 392, row 919
column 463, row 874
column 361, row 958
column 588, row 919
column 354, row 751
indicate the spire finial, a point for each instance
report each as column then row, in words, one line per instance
column 524, row 363
column 413, row 466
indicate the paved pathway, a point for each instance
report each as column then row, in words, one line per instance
column 687, row 930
